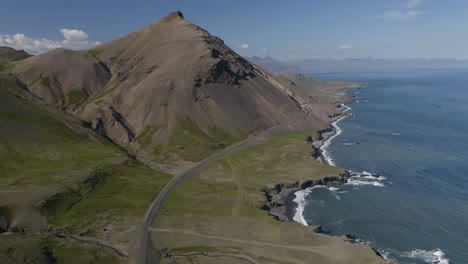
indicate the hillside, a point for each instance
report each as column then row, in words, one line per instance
column 10, row 54
column 155, row 84
column 58, row 176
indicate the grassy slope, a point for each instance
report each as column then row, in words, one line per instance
column 42, row 249
column 119, row 199
column 188, row 142
column 36, row 148
column 40, row 156
column 46, row 165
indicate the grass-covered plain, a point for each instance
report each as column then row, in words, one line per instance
column 41, row 249
column 220, row 210
column 188, row 142
column 232, row 185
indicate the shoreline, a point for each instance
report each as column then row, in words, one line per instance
column 284, row 201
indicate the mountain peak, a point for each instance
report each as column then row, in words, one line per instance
column 159, row 75
column 176, row 14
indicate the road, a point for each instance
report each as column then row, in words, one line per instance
column 145, row 255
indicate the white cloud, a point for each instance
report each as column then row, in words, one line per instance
column 74, row 34
column 398, row 15
column 264, row 50
column 291, row 50
column 413, row 3
column 344, row 46
column 73, row 39
column 244, row 46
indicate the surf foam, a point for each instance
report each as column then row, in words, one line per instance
column 366, row 178
column 327, row 142
column 434, row 256
column 360, row 181
column 301, row 202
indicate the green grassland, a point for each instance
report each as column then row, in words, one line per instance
column 84, row 185
column 38, row 151
column 227, row 198
column 188, row 142
column 116, row 195
column 36, row 148
column 240, row 177
column 41, row 249
column 76, row 95
column 220, row 210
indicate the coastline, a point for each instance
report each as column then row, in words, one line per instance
column 285, row 201
column 341, row 149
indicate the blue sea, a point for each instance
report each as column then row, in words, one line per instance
column 412, row 128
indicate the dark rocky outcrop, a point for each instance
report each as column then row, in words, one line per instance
column 278, row 199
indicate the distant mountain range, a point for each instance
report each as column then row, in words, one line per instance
column 354, row 64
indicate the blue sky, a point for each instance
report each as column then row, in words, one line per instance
column 299, row 29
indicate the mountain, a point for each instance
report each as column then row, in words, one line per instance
column 10, row 54
column 78, row 130
column 317, row 66
column 159, row 82
column 273, row 65
column 373, row 64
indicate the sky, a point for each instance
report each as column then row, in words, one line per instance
column 285, row 30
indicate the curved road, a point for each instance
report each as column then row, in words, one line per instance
column 144, row 256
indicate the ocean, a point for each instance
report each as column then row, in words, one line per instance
column 411, row 128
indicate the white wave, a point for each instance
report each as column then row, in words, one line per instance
column 327, row 142
column 336, row 196
column 348, row 144
column 347, row 108
column 379, row 178
column 385, row 254
column 301, row 202
column 370, row 176
column 357, row 181
column 434, row 256
column 395, row 134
